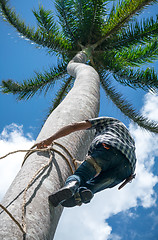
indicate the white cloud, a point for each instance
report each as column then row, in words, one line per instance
column 151, row 106
column 87, row 222
column 11, row 138
column 114, row 237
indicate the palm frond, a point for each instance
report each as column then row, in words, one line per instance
column 53, row 41
column 138, row 32
column 41, row 81
column 138, row 55
column 46, row 21
column 126, row 108
column 81, row 19
column 66, row 15
column 120, row 15
column 91, row 17
column 146, row 79
column 49, row 29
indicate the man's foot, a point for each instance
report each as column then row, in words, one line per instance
column 75, row 200
column 83, row 195
column 59, row 196
column 64, row 193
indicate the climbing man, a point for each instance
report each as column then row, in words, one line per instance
column 110, row 160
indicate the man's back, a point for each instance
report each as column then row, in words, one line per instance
column 114, row 133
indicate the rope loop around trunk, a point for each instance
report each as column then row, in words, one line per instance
column 69, row 160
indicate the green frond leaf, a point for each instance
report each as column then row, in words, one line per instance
column 82, row 20
column 134, row 33
column 46, row 21
column 126, row 108
column 135, row 56
column 123, row 11
column 67, row 18
column 134, row 77
column 146, row 79
column 90, row 15
column 10, row 86
column 53, row 40
column 41, row 81
column 120, row 15
column 50, row 30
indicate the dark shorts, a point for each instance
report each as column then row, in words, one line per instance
column 115, row 168
column 114, row 164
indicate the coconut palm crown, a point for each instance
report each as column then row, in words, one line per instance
column 117, row 45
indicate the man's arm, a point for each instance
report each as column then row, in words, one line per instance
column 64, row 132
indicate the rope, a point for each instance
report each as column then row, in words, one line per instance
column 29, row 184
column 74, row 161
column 12, row 153
column 11, row 216
column 50, row 149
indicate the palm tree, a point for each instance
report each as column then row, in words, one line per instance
column 117, row 46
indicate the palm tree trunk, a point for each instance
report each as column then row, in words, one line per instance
column 81, row 103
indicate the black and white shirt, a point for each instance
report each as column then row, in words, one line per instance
column 114, row 133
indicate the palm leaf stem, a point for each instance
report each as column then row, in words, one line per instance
column 136, row 33
column 29, row 88
column 122, row 21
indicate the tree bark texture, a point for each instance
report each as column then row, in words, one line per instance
column 81, row 103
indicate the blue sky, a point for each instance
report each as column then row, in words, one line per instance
column 127, row 214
